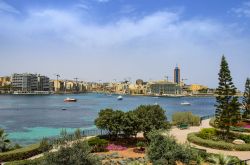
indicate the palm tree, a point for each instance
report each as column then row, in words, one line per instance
column 4, row 141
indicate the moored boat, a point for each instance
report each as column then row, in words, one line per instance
column 185, row 103
column 70, row 100
column 119, row 97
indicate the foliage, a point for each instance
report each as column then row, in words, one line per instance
column 151, row 117
column 227, row 107
column 45, row 145
column 110, row 120
column 207, row 133
column 246, row 100
column 20, row 154
column 65, row 138
column 194, row 138
column 145, row 118
column 79, row 154
column 185, row 117
column 244, row 137
column 77, row 134
column 5, row 143
column 140, row 144
column 97, row 144
column 165, row 150
column 222, row 159
column 130, row 124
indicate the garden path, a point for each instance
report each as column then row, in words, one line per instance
column 181, row 137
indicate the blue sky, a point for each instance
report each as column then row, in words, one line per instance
column 116, row 39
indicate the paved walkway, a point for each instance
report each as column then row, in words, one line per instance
column 181, row 137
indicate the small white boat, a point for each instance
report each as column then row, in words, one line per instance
column 185, row 103
column 70, row 100
column 119, row 97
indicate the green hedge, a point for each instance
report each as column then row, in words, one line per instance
column 192, row 137
column 97, row 144
column 20, row 154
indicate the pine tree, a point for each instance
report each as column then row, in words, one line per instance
column 228, row 107
column 246, row 100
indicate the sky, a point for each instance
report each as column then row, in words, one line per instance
column 112, row 40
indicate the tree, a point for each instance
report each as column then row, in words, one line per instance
column 151, row 117
column 79, row 154
column 5, row 143
column 227, row 107
column 246, row 100
column 130, row 124
column 163, row 149
column 110, row 120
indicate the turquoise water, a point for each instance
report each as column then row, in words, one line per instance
column 30, row 118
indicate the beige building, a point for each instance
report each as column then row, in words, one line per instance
column 196, row 87
column 57, row 85
column 5, row 81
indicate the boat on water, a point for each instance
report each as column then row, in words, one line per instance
column 70, row 100
column 185, row 103
column 119, row 97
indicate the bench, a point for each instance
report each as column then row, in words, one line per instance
column 183, row 126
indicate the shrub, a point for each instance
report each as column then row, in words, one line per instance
column 246, row 138
column 45, row 145
column 79, row 153
column 140, row 144
column 20, row 154
column 194, row 138
column 185, row 117
column 165, row 150
column 207, row 133
column 77, row 134
column 97, row 144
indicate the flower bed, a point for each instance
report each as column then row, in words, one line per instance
column 113, row 147
column 194, row 138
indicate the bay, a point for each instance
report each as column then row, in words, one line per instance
column 27, row 119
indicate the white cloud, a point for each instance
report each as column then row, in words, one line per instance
column 4, row 7
column 146, row 47
column 243, row 10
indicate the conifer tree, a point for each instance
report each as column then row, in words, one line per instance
column 246, row 100
column 228, row 107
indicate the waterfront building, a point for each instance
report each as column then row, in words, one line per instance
column 164, row 87
column 139, row 88
column 196, row 87
column 177, row 75
column 57, row 85
column 27, row 82
column 24, row 82
column 43, row 83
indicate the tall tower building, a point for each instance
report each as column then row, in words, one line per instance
column 177, row 75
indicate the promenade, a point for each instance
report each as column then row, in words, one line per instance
column 181, row 137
